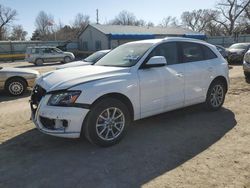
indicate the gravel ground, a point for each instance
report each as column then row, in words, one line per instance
column 184, row 148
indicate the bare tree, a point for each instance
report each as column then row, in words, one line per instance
column 7, row 15
column 140, row 22
column 231, row 10
column 150, row 24
column 124, row 18
column 35, row 35
column 81, row 21
column 44, row 23
column 198, row 20
column 169, row 21
column 18, row 33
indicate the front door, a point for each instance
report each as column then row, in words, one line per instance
column 162, row 88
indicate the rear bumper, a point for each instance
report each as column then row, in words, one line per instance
column 59, row 121
column 235, row 57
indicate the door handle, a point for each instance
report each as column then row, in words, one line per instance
column 179, row 74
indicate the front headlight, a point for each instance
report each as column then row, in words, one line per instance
column 66, row 98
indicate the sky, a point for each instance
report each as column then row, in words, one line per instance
column 65, row 10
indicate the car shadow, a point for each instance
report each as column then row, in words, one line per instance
column 5, row 97
column 152, row 147
column 239, row 63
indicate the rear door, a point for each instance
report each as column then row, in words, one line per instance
column 197, row 72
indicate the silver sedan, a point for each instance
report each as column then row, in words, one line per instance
column 16, row 80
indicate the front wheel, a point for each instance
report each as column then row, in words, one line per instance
column 216, row 95
column 247, row 75
column 67, row 59
column 107, row 122
column 39, row 62
column 16, row 86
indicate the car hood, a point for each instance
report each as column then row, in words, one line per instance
column 69, row 77
column 236, row 50
column 19, row 70
column 73, row 64
column 68, row 53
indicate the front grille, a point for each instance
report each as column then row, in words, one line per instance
column 37, row 94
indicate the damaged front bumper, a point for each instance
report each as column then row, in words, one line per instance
column 58, row 121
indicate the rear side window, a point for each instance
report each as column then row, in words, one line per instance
column 47, row 50
column 35, row 51
column 168, row 50
column 192, row 52
column 208, row 53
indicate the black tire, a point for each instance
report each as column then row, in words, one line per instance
column 16, row 86
column 39, row 62
column 247, row 75
column 216, row 95
column 93, row 131
column 67, row 59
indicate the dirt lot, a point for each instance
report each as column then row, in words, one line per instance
column 185, row 148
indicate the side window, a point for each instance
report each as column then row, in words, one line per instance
column 37, row 51
column 191, row 52
column 208, row 53
column 33, row 51
column 47, row 50
column 168, row 50
column 98, row 45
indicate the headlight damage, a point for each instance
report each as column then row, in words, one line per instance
column 65, row 98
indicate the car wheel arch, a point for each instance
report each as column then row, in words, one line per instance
column 123, row 98
column 222, row 79
column 15, row 77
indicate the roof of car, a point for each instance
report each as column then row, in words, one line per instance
column 174, row 39
column 244, row 43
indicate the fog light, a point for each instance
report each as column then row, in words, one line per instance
column 65, row 123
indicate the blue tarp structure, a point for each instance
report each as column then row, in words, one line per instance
column 196, row 36
column 131, row 36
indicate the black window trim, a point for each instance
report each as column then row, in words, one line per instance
column 142, row 66
column 202, row 49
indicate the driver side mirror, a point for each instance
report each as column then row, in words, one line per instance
column 156, row 61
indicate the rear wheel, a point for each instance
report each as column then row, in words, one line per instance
column 16, row 86
column 39, row 62
column 67, row 59
column 216, row 95
column 107, row 122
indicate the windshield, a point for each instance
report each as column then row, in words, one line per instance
column 239, row 46
column 125, row 55
column 95, row 57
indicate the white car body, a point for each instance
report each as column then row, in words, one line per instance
column 150, row 91
column 90, row 60
column 73, row 64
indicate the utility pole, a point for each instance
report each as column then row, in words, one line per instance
column 97, row 16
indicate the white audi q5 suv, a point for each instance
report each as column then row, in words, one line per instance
column 134, row 81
